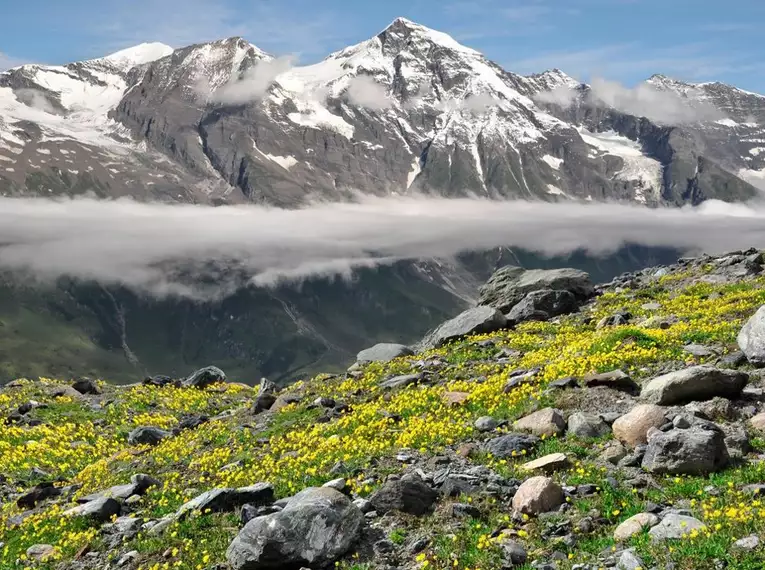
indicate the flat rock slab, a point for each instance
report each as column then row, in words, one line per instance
column 383, row 352
column 674, row 526
column 478, row 320
column 697, row 383
column 551, row 462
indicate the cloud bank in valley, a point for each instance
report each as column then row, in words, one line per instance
column 643, row 100
column 155, row 248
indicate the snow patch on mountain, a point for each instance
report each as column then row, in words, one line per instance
column 138, row 55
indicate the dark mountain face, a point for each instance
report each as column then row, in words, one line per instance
column 408, row 110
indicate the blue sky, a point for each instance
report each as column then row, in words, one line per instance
column 622, row 40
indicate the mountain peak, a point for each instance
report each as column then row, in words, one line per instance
column 138, row 55
column 404, row 29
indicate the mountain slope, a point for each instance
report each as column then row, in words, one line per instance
column 408, row 110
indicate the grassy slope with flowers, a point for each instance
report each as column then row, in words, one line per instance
column 87, row 445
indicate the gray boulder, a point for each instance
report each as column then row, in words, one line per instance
column 315, row 528
column 674, row 526
column 383, row 352
column 228, row 499
column 478, row 320
column 506, row 446
column 100, row 510
column 587, row 425
column 509, row 285
column 751, row 338
column 205, row 377
column 696, row 383
column 147, row 435
column 407, row 495
column 697, row 450
column 542, row 305
column 139, row 484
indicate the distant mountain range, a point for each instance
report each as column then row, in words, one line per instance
column 408, row 110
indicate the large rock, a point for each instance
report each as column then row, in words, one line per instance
column 547, row 422
column 383, row 352
column 542, row 305
column 407, row 495
column 511, row 445
column 538, row 495
column 139, row 484
column 696, row 383
column 697, row 450
column 509, row 285
column 315, row 528
column 205, row 377
column 587, row 425
column 751, row 338
column 674, row 526
column 86, row 386
column 478, row 320
column 266, row 396
column 147, row 435
column 100, row 510
column 228, row 499
column 635, row 525
column 632, row 428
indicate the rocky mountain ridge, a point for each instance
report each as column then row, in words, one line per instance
column 624, row 432
column 408, row 110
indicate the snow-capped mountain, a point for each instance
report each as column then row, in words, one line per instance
column 408, row 110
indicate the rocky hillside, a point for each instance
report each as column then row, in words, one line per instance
column 556, row 425
column 408, row 110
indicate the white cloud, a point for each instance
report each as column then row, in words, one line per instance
column 253, row 84
column 35, row 99
column 643, row 100
column 363, row 90
column 158, row 247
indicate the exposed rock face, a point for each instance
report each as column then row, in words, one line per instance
column 751, row 339
column 477, row 320
column 383, row 352
column 316, row 526
column 694, row 383
column 508, row 286
column 697, row 450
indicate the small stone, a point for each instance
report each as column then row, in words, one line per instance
column 513, row 552
column 486, row 423
column 100, row 510
column 681, row 422
column 400, row 381
column 547, row 422
column 758, row 422
column 363, row 505
column 338, row 484
column 511, row 445
column 747, row 543
column 635, row 525
column 614, row 452
column 587, row 426
column 632, row 428
column 147, row 435
column 455, row 398
column 463, row 510
column 538, row 495
column 563, row 383
column 86, row 386
column 629, row 561
column 40, row 551
column 551, row 462
column 405, row 495
column 127, row 558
